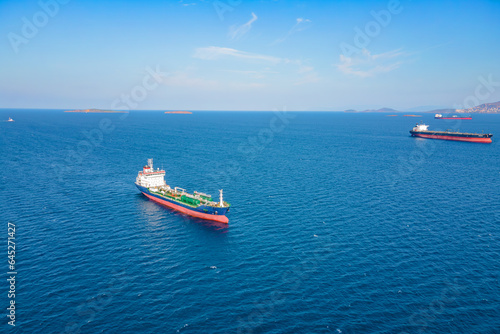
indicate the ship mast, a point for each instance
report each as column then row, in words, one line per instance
column 150, row 163
column 221, row 202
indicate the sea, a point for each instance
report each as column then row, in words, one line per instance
column 339, row 223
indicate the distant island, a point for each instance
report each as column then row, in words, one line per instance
column 178, row 112
column 373, row 110
column 441, row 111
column 404, row 115
column 96, row 111
column 486, row 108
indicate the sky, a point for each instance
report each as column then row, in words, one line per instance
column 248, row 55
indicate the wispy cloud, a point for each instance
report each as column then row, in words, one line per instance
column 254, row 74
column 186, row 4
column 216, row 52
column 243, row 86
column 305, row 73
column 300, row 25
column 308, row 75
column 236, row 32
column 305, row 69
column 367, row 65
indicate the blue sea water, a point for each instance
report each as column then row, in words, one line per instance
column 340, row 223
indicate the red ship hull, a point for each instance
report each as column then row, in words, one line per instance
column 217, row 218
column 453, row 117
column 444, row 137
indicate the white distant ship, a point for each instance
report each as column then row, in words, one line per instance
column 440, row 116
column 10, row 120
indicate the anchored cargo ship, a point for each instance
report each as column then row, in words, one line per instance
column 440, row 116
column 421, row 130
column 152, row 184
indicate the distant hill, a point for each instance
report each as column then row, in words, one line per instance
column 424, row 108
column 441, row 111
column 373, row 110
column 486, row 108
column 385, row 110
column 381, row 110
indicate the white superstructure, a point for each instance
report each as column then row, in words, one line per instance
column 151, row 178
column 221, row 200
column 420, row 127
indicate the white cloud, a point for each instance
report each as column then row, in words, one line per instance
column 236, row 32
column 259, row 74
column 308, row 75
column 300, row 25
column 305, row 69
column 215, row 52
column 186, row 4
column 367, row 65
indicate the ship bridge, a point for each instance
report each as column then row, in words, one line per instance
column 151, row 178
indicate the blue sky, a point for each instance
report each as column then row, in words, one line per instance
column 248, row 55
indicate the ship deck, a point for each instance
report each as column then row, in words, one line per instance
column 454, row 133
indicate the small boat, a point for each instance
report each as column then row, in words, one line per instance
column 10, row 120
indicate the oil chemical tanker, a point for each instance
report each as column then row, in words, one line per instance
column 152, row 184
column 440, row 116
column 421, row 130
